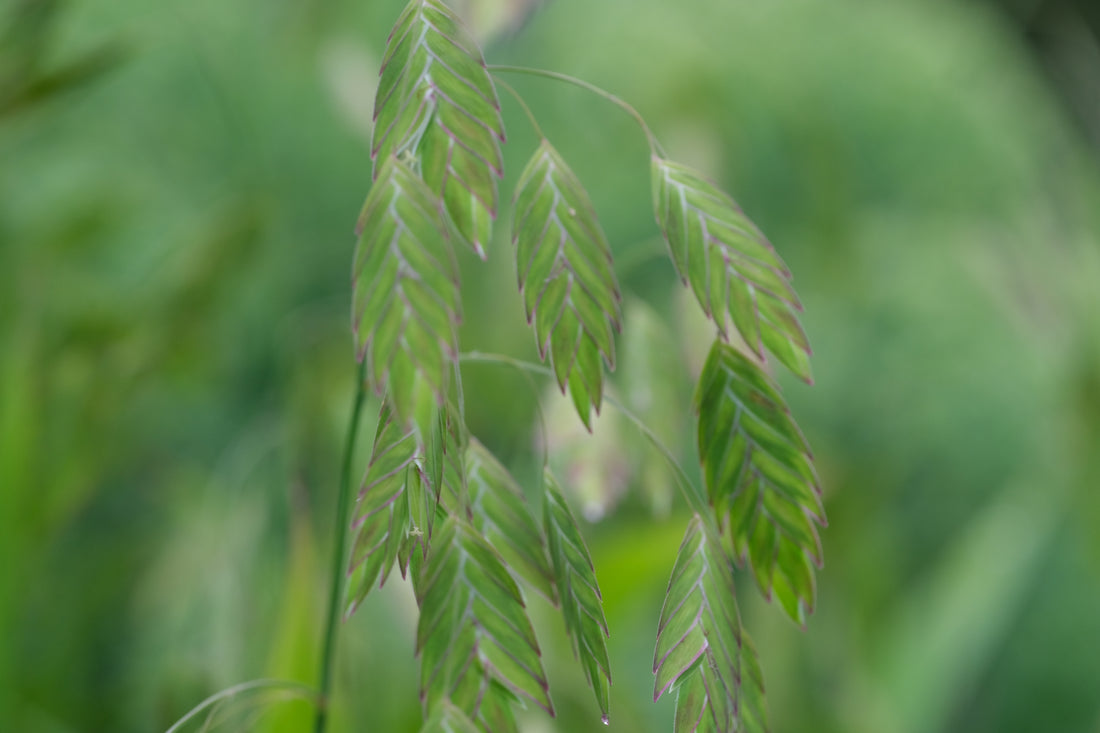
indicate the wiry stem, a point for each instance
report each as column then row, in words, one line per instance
column 295, row 689
column 339, row 554
column 654, row 145
column 526, row 110
column 477, row 356
column 695, row 498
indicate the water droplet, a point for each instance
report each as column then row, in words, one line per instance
column 605, row 720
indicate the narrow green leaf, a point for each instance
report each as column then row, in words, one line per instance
column 581, row 602
column 473, row 631
column 437, row 100
column 500, row 514
column 699, row 640
column 731, row 267
column 759, row 475
column 406, row 298
column 566, row 277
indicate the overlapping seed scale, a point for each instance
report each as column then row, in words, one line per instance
column 406, row 302
column 760, row 477
column 381, row 514
column 581, row 602
column 732, row 269
column 501, row 515
column 437, row 100
column 473, row 631
column 699, row 637
column 566, row 277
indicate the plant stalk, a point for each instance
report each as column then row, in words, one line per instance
column 654, row 145
column 693, row 495
column 339, row 556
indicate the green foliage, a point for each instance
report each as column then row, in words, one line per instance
column 436, row 100
column 581, row 602
column 730, row 266
column 760, row 477
column 566, row 277
column 26, row 41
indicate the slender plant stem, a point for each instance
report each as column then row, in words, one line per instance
column 695, row 498
column 526, row 110
column 476, row 356
column 654, row 145
column 339, row 555
column 292, row 688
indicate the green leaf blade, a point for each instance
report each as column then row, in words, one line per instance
column 581, row 601
column 759, row 475
column 730, row 266
column 566, row 277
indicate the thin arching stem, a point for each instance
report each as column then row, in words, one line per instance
column 339, row 554
column 526, row 110
column 695, row 498
column 654, row 145
column 476, row 356
column 296, row 689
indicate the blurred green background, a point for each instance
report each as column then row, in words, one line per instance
column 178, row 185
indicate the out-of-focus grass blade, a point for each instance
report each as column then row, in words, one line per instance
column 950, row 626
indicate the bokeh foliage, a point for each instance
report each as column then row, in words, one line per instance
column 176, row 229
